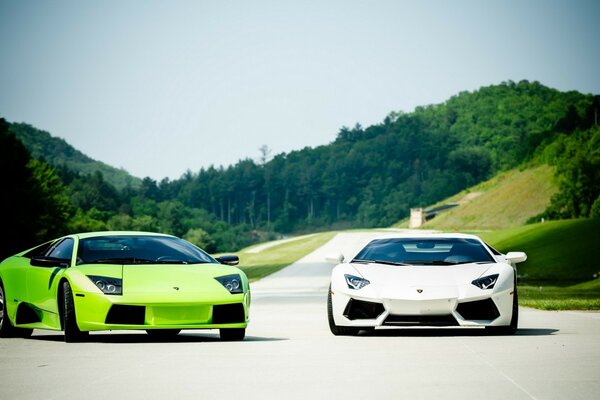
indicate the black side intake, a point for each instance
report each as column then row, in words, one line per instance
column 27, row 314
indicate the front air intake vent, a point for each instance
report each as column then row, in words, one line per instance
column 478, row 310
column 422, row 320
column 126, row 315
column 358, row 309
column 229, row 314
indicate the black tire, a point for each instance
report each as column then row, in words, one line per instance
column 72, row 332
column 510, row 329
column 6, row 328
column 232, row 334
column 335, row 329
column 163, row 333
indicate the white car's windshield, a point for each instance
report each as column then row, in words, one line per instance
column 132, row 249
column 424, row 251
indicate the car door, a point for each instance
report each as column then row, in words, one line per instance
column 42, row 282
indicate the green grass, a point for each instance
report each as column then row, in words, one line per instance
column 559, row 298
column 560, row 253
column 272, row 259
column 509, row 199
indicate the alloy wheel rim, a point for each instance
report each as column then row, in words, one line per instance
column 1, row 305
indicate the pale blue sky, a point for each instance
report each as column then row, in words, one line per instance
column 159, row 87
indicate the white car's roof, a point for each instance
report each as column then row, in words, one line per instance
column 422, row 235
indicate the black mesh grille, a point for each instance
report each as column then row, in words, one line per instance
column 478, row 310
column 358, row 309
column 427, row 320
column 126, row 315
column 228, row 314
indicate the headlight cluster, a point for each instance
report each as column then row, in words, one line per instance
column 108, row 285
column 355, row 282
column 233, row 283
column 486, row 282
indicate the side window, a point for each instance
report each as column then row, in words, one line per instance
column 493, row 250
column 39, row 250
column 64, row 249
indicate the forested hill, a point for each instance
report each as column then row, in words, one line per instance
column 365, row 177
column 58, row 153
column 372, row 176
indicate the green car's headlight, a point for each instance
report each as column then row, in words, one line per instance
column 233, row 283
column 108, row 285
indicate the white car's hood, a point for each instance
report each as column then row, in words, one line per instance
column 422, row 275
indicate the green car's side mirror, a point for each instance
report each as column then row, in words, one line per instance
column 228, row 260
column 49, row 262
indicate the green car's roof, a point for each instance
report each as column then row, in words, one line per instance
column 86, row 235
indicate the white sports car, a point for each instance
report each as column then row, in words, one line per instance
column 426, row 279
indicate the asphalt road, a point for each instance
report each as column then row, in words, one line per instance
column 290, row 354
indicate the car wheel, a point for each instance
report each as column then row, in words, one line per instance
column 510, row 329
column 6, row 327
column 335, row 329
column 72, row 332
column 232, row 334
column 163, row 333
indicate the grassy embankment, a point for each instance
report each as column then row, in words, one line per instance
column 562, row 270
column 507, row 200
column 259, row 264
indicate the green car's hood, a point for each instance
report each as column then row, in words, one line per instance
column 183, row 279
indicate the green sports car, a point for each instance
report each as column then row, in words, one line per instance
column 122, row 280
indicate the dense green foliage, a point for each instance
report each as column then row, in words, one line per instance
column 371, row 177
column 59, row 153
column 366, row 177
column 33, row 204
column 577, row 159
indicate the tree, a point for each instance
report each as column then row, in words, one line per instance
column 32, row 205
column 578, row 175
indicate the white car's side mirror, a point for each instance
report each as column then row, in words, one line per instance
column 337, row 258
column 516, row 257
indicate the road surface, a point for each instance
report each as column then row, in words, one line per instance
column 289, row 353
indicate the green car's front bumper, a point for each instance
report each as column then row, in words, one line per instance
column 101, row 312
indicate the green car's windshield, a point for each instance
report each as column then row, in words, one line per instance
column 132, row 249
column 424, row 251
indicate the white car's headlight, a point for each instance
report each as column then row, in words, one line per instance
column 355, row 282
column 486, row 282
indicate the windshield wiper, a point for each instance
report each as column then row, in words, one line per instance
column 179, row 262
column 123, row 260
column 170, row 262
column 436, row 262
column 442, row 262
column 378, row 262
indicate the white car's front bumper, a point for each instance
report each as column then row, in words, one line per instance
column 428, row 306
